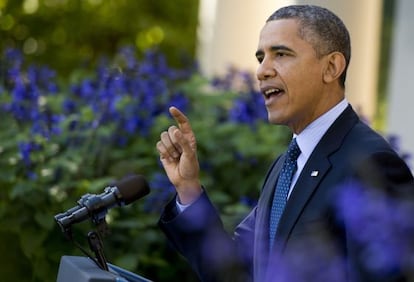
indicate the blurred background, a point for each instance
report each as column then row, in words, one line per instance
column 85, row 87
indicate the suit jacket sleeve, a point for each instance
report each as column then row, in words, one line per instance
column 198, row 234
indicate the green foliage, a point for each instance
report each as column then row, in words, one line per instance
column 73, row 33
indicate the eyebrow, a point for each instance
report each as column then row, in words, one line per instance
column 274, row 49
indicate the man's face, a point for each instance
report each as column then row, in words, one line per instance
column 290, row 75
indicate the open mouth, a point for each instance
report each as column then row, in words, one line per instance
column 272, row 92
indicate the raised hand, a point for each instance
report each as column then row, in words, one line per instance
column 178, row 154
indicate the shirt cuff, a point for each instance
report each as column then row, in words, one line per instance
column 181, row 207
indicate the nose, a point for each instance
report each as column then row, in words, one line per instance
column 265, row 70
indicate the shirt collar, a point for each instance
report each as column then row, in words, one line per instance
column 312, row 134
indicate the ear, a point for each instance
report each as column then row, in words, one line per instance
column 335, row 66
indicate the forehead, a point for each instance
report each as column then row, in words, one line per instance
column 280, row 32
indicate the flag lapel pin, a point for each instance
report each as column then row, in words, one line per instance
column 314, row 173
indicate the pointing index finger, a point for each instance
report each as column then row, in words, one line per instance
column 180, row 118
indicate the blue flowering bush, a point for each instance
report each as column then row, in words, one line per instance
column 64, row 137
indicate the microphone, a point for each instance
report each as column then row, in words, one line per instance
column 124, row 192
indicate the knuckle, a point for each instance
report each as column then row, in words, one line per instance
column 172, row 129
column 158, row 145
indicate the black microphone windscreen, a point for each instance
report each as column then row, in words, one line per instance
column 132, row 188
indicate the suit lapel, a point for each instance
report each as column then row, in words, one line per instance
column 307, row 182
column 302, row 192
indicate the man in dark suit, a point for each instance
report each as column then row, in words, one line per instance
column 303, row 54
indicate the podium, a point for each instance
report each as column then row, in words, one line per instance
column 83, row 269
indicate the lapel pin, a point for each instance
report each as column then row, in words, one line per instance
column 314, row 173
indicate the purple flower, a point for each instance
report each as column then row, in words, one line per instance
column 25, row 150
column 381, row 225
column 116, row 105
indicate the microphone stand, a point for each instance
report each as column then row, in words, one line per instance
column 95, row 243
column 94, row 238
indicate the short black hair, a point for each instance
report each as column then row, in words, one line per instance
column 324, row 30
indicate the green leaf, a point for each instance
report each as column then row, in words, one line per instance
column 45, row 220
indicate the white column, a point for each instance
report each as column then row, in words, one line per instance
column 230, row 33
column 400, row 94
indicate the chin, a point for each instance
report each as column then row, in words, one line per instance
column 275, row 115
column 274, row 119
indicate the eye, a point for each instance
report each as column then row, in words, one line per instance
column 260, row 58
column 259, row 55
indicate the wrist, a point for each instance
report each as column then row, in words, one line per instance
column 189, row 193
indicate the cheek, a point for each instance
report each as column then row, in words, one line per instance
column 303, row 93
column 304, row 83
